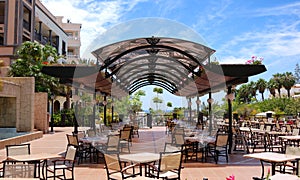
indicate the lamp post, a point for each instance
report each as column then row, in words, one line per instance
column 52, row 120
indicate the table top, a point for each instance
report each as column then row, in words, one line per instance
column 19, row 178
column 206, row 139
column 284, row 176
column 33, row 157
column 290, row 137
column 94, row 140
column 272, row 156
column 143, row 157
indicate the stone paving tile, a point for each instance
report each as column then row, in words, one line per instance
column 150, row 140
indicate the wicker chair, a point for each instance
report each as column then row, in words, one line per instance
column 17, row 149
column 168, row 167
column 83, row 150
column 125, row 139
column 219, row 147
column 13, row 169
column 115, row 170
column 59, row 167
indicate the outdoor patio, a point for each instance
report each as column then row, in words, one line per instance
column 151, row 140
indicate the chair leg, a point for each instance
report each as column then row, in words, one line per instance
column 216, row 157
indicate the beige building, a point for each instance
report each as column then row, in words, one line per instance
column 30, row 20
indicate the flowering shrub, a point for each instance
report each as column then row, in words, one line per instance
column 230, row 177
column 268, row 175
column 255, row 60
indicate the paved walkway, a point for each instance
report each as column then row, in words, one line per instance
column 150, row 140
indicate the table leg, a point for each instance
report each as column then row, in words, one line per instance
column 262, row 169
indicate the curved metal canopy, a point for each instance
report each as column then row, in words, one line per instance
column 165, row 62
column 179, row 66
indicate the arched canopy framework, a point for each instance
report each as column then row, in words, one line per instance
column 181, row 67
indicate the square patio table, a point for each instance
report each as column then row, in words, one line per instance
column 290, row 139
column 35, row 158
column 273, row 158
column 200, row 142
column 284, row 176
column 140, row 159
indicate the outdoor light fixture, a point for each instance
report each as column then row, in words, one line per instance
column 210, row 100
column 52, row 96
column 81, row 86
column 229, row 96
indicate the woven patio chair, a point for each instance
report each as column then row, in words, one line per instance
column 168, row 167
column 60, row 168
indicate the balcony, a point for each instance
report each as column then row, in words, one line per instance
column 1, row 19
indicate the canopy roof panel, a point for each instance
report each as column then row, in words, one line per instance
column 181, row 67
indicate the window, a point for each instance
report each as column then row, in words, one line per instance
column 2, row 9
column 1, row 39
column 27, row 19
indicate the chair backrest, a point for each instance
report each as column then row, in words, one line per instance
column 80, row 134
column 222, row 139
column 72, row 139
column 179, row 130
column 13, row 169
column 18, row 149
column 125, row 134
column 283, row 129
column 170, row 161
column 288, row 128
column 277, row 126
column 268, row 128
column 179, row 139
column 113, row 144
column 169, row 147
column 112, row 162
column 295, row 132
column 261, row 127
column 292, row 150
column 71, row 153
column 91, row 133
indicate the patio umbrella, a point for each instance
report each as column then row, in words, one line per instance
column 262, row 114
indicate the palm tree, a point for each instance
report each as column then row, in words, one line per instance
column 261, row 85
column 288, row 82
column 271, row 86
column 252, row 88
column 278, row 79
column 156, row 99
column 169, row 104
column 243, row 93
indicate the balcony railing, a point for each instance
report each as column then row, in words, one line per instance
column 72, row 56
column 26, row 25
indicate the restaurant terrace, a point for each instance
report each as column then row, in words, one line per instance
column 214, row 150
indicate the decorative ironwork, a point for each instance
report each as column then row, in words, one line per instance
column 153, row 40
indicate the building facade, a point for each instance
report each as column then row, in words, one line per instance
column 30, row 20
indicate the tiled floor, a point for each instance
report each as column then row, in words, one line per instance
column 151, row 140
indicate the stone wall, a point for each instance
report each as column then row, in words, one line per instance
column 41, row 121
column 8, row 112
column 17, row 96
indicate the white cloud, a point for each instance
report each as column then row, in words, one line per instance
column 282, row 41
column 288, row 9
column 95, row 16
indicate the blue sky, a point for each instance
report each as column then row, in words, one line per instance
column 236, row 29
